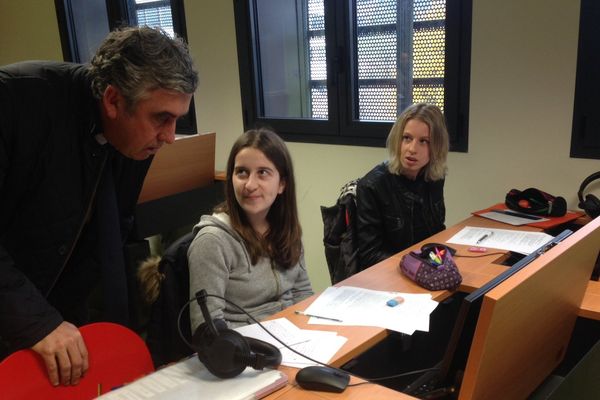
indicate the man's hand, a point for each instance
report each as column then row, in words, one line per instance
column 64, row 353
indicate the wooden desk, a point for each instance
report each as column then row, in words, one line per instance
column 475, row 271
column 386, row 276
column 590, row 306
column 367, row 391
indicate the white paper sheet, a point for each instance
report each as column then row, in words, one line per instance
column 365, row 307
column 189, row 379
column 510, row 219
column 523, row 242
column 318, row 345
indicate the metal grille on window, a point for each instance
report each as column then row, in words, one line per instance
column 154, row 13
column 317, row 64
column 400, row 57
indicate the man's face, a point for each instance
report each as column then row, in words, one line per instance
column 139, row 132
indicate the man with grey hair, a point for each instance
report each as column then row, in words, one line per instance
column 76, row 142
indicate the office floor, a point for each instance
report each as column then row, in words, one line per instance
column 585, row 335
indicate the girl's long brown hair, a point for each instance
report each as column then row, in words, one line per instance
column 282, row 242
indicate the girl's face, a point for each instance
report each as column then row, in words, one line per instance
column 414, row 148
column 256, row 183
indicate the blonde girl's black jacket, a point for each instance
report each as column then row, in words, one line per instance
column 50, row 166
column 394, row 213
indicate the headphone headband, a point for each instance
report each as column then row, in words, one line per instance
column 590, row 204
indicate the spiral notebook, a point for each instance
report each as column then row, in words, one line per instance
column 189, row 379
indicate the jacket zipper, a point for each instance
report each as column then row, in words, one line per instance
column 83, row 222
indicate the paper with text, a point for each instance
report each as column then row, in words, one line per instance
column 523, row 242
column 318, row 345
column 365, row 307
column 189, row 379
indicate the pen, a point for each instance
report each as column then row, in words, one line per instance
column 481, row 239
column 317, row 316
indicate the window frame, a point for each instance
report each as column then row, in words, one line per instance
column 340, row 128
column 585, row 139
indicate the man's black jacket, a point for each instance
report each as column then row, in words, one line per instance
column 50, row 165
column 394, row 213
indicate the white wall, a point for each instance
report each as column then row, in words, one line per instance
column 28, row 30
column 522, row 83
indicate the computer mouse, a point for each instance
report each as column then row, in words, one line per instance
column 321, row 378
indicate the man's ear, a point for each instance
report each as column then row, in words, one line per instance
column 112, row 100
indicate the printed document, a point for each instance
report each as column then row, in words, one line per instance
column 523, row 242
column 364, row 307
column 319, row 345
column 189, row 379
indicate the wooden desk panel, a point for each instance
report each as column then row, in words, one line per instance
column 590, row 305
column 187, row 164
column 526, row 322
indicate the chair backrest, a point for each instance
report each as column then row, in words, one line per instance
column 163, row 337
column 339, row 234
column 117, row 356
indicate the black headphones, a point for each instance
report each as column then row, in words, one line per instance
column 591, row 204
column 225, row 352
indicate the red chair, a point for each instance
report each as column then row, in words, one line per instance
column 117, row 356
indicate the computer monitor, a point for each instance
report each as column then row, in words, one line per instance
column 447, row 375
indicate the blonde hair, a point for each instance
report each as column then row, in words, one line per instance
column 150, row 278
column 439, row 141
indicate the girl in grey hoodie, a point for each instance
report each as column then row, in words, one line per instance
column 250, row 251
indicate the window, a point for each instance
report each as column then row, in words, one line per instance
column 340, row 71
column 83, row 24
column 585, row 136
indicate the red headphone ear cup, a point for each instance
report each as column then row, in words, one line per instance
column 524, row 203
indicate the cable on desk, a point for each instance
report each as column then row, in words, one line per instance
column 288, row 347
column 418, row 371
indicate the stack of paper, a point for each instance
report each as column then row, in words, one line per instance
column 357, row 306
column 319, row 345
column 189, row 379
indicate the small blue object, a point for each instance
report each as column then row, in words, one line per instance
column 392, row 302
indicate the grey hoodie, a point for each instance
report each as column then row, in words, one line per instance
column 220, row 264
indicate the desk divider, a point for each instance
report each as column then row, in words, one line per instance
column 526, row 322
